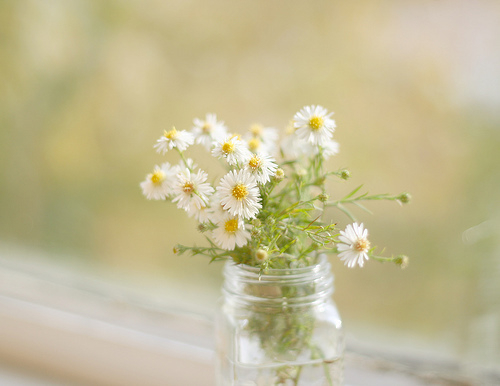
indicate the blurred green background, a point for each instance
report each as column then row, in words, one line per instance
column 86, row 88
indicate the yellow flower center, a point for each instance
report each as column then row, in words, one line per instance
column 256, row 130
column 240, row 192
column 362, row 245
column 188, row 187
column 172, row 134
column 254, row 144
column 231, row 226
column 316, row 123
column 255, row 163
column 228, row 147
column 206, row 128
column 157, row 177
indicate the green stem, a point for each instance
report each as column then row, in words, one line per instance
column 296, row 379
column 294, row 206
column 382, row 259
column 181, row 153
column 362, row 198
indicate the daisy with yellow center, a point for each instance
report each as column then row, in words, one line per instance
column 262, row 139
column 191, row 190
column 314, row 125
column 254, row 145
column 233, row 149
column 171, row 135
column 227, row 148
column 157, row 177
column 187, row 187
column 262, row 167
column 209, row 130
column 354, row 245
column 180, row 139
column 255, row 163
column 256, row 130
column 239, row 194
column 231, row 232
column 157, row 185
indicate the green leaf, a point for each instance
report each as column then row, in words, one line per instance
column 353, row 192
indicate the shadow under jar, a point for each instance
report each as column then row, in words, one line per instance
column 279, row 328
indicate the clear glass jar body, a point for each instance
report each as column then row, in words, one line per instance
column 281, row 328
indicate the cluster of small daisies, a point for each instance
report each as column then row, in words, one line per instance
column 256, row 214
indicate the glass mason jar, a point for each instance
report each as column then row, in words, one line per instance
column 280, row 328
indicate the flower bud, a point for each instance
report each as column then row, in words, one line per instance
column 301, row 172
column 323, row 197
column 176, row 250
column 279, row 175
column 255, row 232
column 402, row 261
column 270, row 220
column 320, row 181
column 261, row 255
column 256, row 222
column 404, row 197
column 345, row 174
column 202, row 227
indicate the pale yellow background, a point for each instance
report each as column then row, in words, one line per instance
column 86, row 87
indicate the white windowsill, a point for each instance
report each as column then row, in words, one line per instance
column 65, row 329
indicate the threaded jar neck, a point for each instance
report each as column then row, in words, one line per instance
column 278, row 287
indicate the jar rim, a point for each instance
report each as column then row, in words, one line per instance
column 322, row 260
column 245, row 284
column 279, row 273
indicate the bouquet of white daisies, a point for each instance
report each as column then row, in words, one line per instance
column 266, row 211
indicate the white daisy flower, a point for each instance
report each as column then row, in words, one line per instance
column 173, row 138
column 353, row 245
column 264, row 133
column 216, row 211
column 256, row 145
column 209, row 130
column 191, row 190
column 262, row 139
column 314, row 125
column 330, row 148
column 232, row 149
column 292, row 147
column 179, row 168
column 231, row 232
column 157, row 185
column 262, row 167
column 201, row 214
column 239, row 194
